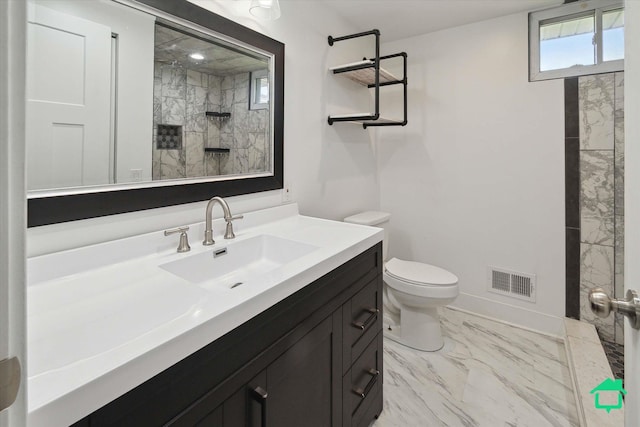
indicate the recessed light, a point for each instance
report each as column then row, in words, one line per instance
column 197, row 56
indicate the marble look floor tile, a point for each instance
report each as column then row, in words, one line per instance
column 493, row 375
column 417, row 405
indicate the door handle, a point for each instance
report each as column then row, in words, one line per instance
column 9, row 381
column 602, row 305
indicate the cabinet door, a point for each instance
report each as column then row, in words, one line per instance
column 303, row 384
column 243, row 407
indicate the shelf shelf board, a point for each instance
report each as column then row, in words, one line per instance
column 216, row 114
column 365, row 119
column 354, row 116
column 381, row 121
column 364, row 73
column 216, row 150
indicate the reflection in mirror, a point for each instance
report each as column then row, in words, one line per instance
column 100, row 93
column 117, row 95
column 202, row 124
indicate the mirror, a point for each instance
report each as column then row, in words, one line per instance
column 203, row 123
column 142, row 104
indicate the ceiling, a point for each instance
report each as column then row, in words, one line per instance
column 398, row 19
column 174, row 47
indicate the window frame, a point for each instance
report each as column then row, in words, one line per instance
column 562, row 13
column 257, row 75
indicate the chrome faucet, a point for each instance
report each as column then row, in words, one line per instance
column 208, row 231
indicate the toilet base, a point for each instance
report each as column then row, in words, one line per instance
column 392, row 334
column 419, row 329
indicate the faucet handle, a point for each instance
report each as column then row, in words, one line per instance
column 183, row 246
column 229, row 234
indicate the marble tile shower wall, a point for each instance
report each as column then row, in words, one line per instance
column 600, row 103
column 181, row 97
column 246, row 132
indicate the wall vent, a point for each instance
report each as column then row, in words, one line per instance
column 512, row 283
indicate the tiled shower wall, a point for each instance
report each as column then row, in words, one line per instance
column 246, row 133
column 601, row 194
column 181, row 97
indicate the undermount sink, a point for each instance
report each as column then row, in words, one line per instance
column 238, row 263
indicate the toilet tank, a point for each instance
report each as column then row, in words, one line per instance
column 374, row 219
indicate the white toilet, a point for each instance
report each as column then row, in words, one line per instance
column 413, row 291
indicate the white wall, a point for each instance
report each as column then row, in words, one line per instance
column 331, row 170
column 477, row 176
column 13, row 24
column 632, row 203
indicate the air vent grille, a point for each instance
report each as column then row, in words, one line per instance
column 512, row 283
column 501, row 281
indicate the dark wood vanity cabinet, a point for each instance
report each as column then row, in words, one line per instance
column 313, row 359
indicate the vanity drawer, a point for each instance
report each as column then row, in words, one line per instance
column 362, row 386
column 362, row 320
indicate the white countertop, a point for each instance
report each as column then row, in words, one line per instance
column 103, row 319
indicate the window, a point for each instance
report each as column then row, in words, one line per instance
column 259, row 90
column 585, row 37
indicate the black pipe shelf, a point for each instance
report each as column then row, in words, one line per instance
column 369, row 73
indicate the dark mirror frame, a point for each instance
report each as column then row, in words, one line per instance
column 64, row 208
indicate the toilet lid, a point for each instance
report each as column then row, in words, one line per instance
column 419, row 273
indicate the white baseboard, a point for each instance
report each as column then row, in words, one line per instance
column 514, row 315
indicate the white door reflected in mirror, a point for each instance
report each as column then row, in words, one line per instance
column 118, row 96
column 68, row 100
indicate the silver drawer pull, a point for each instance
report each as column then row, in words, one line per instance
column 374, row 377
column 364, row 325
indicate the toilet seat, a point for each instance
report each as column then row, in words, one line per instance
column 419, row 273
column 420, row 279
